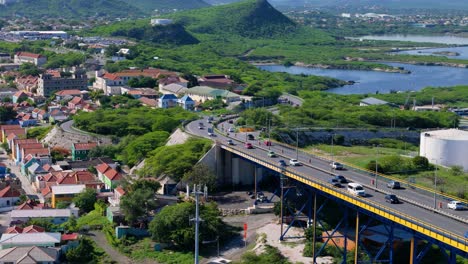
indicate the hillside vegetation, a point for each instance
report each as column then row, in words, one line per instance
column 249, row 18
column 149, row 5
column 70, row 8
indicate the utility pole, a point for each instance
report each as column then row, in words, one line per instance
column 331, row 152
column 269, row 133
column 376, row 167
column 435, row 186
column 281, row 204
column 197, row 219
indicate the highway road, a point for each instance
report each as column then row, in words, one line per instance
column 319, row 170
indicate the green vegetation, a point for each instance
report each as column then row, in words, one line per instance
column 270, row 255
column 70, row 9
column 201, row 174
column 175, row 160
column 144, row 251
column 38, row 132
column 139, row 193
column 94, row 219
column 85, row 200
column 168, row 5
column 86, row 252
column 170, row 225
column 332, row 110
column 7, row 113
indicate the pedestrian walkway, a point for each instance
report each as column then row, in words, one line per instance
column 99, row 238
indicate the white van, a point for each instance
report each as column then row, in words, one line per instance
column 356, row 189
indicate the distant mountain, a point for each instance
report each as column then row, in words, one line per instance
column 169, row 34
column 69, row 9
column 149, row 5
column 393, row 4
column 249, row 18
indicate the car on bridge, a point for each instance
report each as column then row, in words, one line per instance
column 391, row 198
column 334, row 182
column 393, row 185
column 282, row 163
column 230, row 142
column 356, row 189
column 250, row 137
column 230, row 121
column 336, row 166
column 231, row 129
column 294, row 162
column 248, row 146
column 272, row 154
column 341, row 179
column 456, row 205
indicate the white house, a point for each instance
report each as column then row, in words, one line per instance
column 27, row 57
column 42, row 239
column 167, row 101
column 187, row 103
column 58, row 216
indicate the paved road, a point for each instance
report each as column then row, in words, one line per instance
column 323, row 173
column 15, row 172
column 68, row 127
column 295, row 100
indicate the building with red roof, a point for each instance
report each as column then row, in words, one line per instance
column 109, row 175
column 9, row 197
column 27, row 57
column 80, row 151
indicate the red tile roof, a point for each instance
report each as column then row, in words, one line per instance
column 37, row 152
column 17, row 131
column 46, row 191
column 54, row 73
column 28, row 54
column 9, row 192
column 109, row 172
column 76, row 100
column 33, row 229
column 9, row 126
column 111, row 76
column 149, row 102
column 84, row 146
column 14, row 230
column 68, row 237
column 120, row 190
column 11, row 136
column 68, row 92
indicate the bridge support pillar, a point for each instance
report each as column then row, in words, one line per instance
column 412, row 251
column 357, row 239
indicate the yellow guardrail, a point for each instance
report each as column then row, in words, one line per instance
column 427, row 229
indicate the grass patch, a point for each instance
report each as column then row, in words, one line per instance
column 38, row 132
column 144, row 250
column 93, row 219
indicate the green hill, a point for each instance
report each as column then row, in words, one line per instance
column 69, row 9
column 148, row 5
column 250, row 18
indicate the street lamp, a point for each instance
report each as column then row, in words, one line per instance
column 297, row 143
column 376, row 167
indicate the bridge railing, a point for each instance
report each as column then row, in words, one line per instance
column 413, row 223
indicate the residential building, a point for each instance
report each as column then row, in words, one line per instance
column 80, row 151
column 9, row 197
column 57, row 115
column 15, row 148
column 27, row 121
column 187, row 103
column 20, row 96
column 27, row 83
column 31, row 254
column 57, row 216
column 28, row 229
column 372, row 101
column 216, row 81
column 7, row 93
column 45, row 239
column 203, row 93
column 48, row 83
column 5, row 57
column 174, row 88
column 115, row 199
column 106, row 82
column 63, row 94
column 8, row 129
column 109, row 175
column 173, row 80
column 139, row 92
column 167, row 101
column 76, row 103
column 37, row 35
column 148, row 102
column 161, row 21
column 27, row 57
column 65, row 192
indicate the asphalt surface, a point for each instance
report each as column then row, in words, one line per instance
column 319, row 170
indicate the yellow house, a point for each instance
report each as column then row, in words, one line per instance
column 65, row 192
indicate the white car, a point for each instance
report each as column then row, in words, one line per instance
column 356, row 189
column 336, row 165
column 231, row 130
column 455, row 205
column 294, row 162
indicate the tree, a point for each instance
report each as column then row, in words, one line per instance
column 83, row 253
column 29, row 69
column 421, row 163
column 85, row 200
column 171, row 224
column 7, row 113
column 71, row 225
column 201, row 174
column 137, row 203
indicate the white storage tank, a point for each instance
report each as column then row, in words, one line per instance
column 445, row 147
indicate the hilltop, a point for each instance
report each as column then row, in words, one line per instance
column 149, row 5
column 249, row 18
column 70, row 9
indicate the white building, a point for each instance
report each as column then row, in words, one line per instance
column 160, row 21
column 445, row 147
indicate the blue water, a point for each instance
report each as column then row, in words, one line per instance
column 371, row 81
column 442, row 39
column 463, row 51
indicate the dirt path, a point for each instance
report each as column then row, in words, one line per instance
column 115, row 255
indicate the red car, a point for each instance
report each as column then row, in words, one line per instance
column 267, row 143
column 248, row 146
